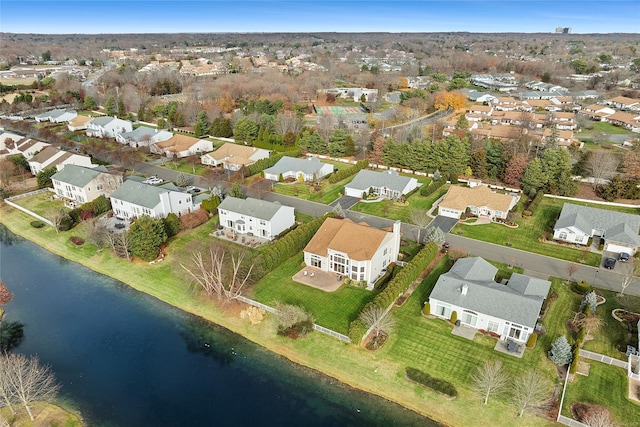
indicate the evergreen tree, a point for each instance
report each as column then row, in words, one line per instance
column 245, row 130
column 146, row 235
column 110, row 106
column 122, row 111
column 202, row 124
column 589, row 300
column 171, row 225
column 533, row 177
column 90, row 103
column 560, row 352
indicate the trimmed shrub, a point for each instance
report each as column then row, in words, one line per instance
column 573, row 368
column 37, row 224
column 426, row 310
column 193, row 219
column 77, row 241
column 347, row 172
column 582, row 287
column 211, row 204
column 454, row 317
column 580, row 336
column 436, row 384
column 535, row 202
column 171, row 225
column 531, row 342
column 357, row 329
column 431, row 188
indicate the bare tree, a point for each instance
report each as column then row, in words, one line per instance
column 378, row 319
column 420, row 218
column 624, row 284
column 56, row 216
column 215, row 275
column 120, row 243
column 27, row 380
column 530, row 389
column 490, row 379
column 598, row 419
column 590, row 324
column 572, row 267
column 288, row 122
column 97, row 232
column 601, row 165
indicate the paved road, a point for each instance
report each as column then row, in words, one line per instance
column 544, row 266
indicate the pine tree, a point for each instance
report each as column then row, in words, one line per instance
column 590, row 300
column 560, row 352
column 110, row 106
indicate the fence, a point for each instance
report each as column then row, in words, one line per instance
column 10, row 200
column 569, row 422
column 316, row 327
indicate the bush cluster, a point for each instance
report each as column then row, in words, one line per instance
column 431, row 188
column 535, row 202
column 396, row 287
column 263, row 164
column 582, row 287
column 347, row 172
column 291, row 244
column 437, row 384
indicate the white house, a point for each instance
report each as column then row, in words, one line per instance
column 309, row 169
column 78, row 123
column 357, row 251
column 143, row 136
column 480, row 200
column 619, row 230
column 106, row 126
column 255, row 217
column 52, row 156
column 470, row 289
column 85, row 184
column 133, row 199
column 28, row 147
column 387, row 184
column 234, row 156
column 57, row 116
column 181, row 146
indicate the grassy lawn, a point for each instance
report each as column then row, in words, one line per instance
column 184, row 167
column 40, row 203
column 391, row 210
column 606, row 128
column 606, row 385
column 329, row 193
column 333, row 310
column 529, row 230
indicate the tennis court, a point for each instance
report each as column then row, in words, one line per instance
column 337, row 111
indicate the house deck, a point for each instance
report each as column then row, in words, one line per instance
column 327, row 282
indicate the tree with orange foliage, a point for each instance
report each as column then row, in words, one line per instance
column 449, row 101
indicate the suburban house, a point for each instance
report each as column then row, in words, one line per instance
column 255, row 217
column 309, row 169
column 357, row 251
column 388, row 184
column 143, row 136
column 57, row 116
column 234, row 156
column 78, row 123
column 133, row 199
column 83, row 184
column 624, row 103
column 52, row 156
column 106, row 126
column 469, row 289
column 7, row 142
column 618, row 230
column 480, row 200
column 28, row 147
column 181, row 146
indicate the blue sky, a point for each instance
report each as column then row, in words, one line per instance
column 162, row 16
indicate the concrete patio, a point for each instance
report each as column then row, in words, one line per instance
column 315, row 278
column 501, row 346
column 464, row 332
column 240, row 239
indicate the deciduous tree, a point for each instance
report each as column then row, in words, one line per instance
column 530, row 390
column 515, row 169
column 490, row 379
column 601, row 165
column 377, row 319
column 449, row 101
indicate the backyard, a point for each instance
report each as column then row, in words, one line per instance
column 531, row 231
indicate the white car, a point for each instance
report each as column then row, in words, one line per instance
column 153, row 180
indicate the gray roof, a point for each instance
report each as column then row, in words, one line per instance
column 78, row 175
column 53, row 113
column 102, row 121
column 139, row 193
column 251, row 207
column 617, row 226
column 519, row 301
column 139, row 133
column 309, row 165
column 368, row 178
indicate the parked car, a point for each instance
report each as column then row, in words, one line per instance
column 153, row 180
column 623, row 257
column 192, row 189
column 610, row 263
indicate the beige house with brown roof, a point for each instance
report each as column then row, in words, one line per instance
column 52, row 156
column 181, row 146
column 357, row 251
column 234, row 156
column 78, row 123
column 480, row 200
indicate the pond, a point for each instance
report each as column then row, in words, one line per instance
column 126, row 359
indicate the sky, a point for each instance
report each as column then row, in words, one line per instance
column 239, row 16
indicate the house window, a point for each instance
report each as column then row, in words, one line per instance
column 469, row 317
column 493, row 326
column 515, row 331
column 578, row 239
column 384, row 253
column 562, row 235
column 443, row 310
column 263, row 222
column 315, row 261
column 339, row 264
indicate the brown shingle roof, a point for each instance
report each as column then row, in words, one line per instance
column 177, row 143
column 358, row 241
column 459, row 198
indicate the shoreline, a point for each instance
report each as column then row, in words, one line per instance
column 421, row 401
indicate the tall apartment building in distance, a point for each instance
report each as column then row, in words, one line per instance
column 563, row 30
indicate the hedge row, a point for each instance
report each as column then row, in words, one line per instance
column 431, row 188
column 535, row 202
column 396, row 287
column 433, row 383
column 347, row 172
column 263, row 164
column 291, row 244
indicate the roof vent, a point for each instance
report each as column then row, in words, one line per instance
column 464, row 289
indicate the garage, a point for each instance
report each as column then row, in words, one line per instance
column 618, row 248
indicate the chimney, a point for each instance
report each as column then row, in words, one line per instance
column 464, row 289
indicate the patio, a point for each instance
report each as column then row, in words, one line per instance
column 510, row 347
column 241, row 239
column 318, row 279
column 116, row 225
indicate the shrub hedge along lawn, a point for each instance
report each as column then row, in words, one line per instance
column 433, row 383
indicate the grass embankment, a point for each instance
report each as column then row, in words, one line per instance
column 328, row 193
column 425, row 343
column 531, row 229
column 46, row 414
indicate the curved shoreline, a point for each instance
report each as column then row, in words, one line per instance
column 338, row 367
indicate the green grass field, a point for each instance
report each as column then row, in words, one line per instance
column 606, row 128
column 185, row 167
column 328, row 194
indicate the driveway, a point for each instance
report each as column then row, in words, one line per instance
column 345, row 202
column 444, row 223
